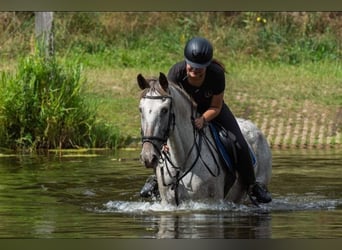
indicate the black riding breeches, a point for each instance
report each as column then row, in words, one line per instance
column 245, row 165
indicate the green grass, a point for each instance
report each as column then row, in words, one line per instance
column 44, row 106
column 291, row 86
column 318, row 82
column 291, row 59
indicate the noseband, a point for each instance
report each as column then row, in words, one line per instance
column 170, row 125
column 197, row 146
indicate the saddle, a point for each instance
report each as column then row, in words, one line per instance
column 228, row 146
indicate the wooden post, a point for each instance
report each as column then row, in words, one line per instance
column 44, row 32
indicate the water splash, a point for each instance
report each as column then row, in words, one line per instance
column 278, row 204
column 186, row 207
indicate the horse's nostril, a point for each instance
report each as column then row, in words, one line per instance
column 155, row 160
column 150, row 161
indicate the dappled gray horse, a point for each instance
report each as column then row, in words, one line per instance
column 191, row 168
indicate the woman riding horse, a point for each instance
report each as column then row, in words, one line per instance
column 203, row 78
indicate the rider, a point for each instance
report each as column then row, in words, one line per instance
column 203, row 78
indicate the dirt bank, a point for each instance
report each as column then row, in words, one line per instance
column 290, row 125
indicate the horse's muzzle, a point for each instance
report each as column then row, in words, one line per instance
column 149, row 156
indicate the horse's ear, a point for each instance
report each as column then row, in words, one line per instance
column 143, row 84
column 163, row 81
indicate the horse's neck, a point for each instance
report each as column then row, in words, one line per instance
column 182, row 137
column 181, row 141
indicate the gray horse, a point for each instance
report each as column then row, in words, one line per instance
column 190, row 168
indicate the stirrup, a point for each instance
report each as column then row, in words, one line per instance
column 253, row 200
column 258, row 193
column 150, row 187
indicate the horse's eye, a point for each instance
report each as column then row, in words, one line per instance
column 164, row 110
column 140, row 110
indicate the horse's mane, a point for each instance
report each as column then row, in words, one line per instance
column 156, row 87
column 183, row 93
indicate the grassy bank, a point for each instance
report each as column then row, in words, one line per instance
column 295, row 106
column 283, row 68
column 44, row 106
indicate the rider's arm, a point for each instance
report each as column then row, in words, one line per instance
column 211, row 112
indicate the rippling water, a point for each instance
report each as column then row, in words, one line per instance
column 95, row 195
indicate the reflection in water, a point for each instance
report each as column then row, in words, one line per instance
column 96, row 196
column 198, row 220
column 213, row 226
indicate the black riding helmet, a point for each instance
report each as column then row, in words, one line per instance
column 198, row 52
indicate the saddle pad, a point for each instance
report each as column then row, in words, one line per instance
column 223, row 152
column 222, row 149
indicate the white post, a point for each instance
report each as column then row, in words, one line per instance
column 44, row 33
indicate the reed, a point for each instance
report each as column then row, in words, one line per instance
column 44, row 106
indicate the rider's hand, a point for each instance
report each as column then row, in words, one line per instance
column 165, row 148
column 200, row 122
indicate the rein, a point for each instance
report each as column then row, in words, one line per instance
column 199, row 135
column 196, row 145
column 171, row 124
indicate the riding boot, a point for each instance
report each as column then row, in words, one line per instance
column 259, row 192
column 150, row 187
column 255, row 190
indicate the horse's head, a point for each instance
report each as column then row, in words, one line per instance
column 156, row 117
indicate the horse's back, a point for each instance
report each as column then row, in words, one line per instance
column 261, row 148
column 263, row 156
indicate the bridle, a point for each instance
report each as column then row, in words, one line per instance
column 171, row 124
column 164, row 156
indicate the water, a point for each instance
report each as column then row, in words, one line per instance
column 95, row 195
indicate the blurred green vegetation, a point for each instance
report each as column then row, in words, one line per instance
column 135, row 39
column 268, row 55
column 44, row 106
